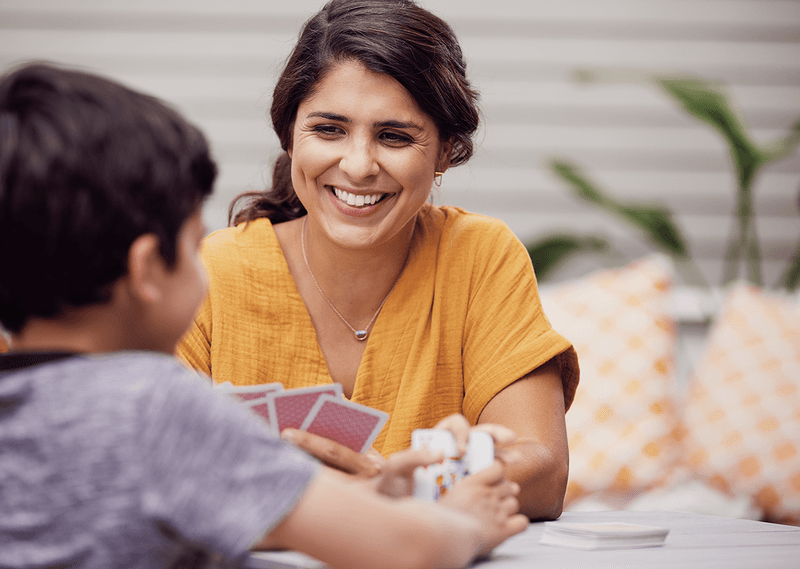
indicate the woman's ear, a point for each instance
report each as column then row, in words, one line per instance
column 146, row 269
column 445, row 155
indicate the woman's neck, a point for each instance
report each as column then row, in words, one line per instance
column 354, row 280
column 371, row 270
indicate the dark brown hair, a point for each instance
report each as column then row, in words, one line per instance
column 86, row 167
column 394, row 37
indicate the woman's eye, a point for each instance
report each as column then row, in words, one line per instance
column 327, row 129
column 395, row 138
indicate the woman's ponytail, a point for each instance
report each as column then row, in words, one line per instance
column 279, row 203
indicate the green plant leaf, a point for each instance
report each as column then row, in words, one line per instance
column 659, row 228
column 656, row 222
column 550, row 251
column 791, row 277
column 582, row 186
column 703, row 100
column 785, row 146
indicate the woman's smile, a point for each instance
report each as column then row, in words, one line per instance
column 357, row 200
column 357, row 205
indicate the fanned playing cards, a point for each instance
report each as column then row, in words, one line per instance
column 602, row 535
column 320, row 410
column 353, row 425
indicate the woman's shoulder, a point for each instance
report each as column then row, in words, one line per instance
column 231, row 244
column 456, row 225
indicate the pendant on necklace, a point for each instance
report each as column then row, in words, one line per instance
column 361, row 335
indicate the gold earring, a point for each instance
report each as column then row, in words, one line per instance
column 437, row 178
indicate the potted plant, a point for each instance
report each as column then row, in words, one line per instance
column 706, row 102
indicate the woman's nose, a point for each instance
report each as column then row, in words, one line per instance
column 358, row 161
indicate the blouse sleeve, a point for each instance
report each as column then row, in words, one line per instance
column 195, row 347
column 507, row 334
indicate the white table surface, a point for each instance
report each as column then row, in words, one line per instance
column 694, row 541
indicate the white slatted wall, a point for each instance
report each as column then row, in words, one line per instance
column 216, row 60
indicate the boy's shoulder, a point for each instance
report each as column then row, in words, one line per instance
column 128, row 439
column 129, row 375
column 115, row 398
column 123, row 361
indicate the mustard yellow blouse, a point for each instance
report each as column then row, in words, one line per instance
column 463, row 322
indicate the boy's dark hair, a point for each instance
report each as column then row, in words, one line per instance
column 86, row 167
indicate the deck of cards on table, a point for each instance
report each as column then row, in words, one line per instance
column 602, row 535
column 320, row 410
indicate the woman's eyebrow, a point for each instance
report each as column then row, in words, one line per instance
column 377, row 124
column 397, row 124
column 329, row 116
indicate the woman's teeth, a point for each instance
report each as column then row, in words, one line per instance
column 357, row 200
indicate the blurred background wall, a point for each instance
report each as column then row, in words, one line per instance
column 216, row 61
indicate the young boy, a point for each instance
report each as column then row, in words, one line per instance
column 112, row 454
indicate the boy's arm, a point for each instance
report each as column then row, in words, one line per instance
column 343, row 525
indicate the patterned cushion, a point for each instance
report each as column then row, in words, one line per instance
column 743, row 413
column 623, row 429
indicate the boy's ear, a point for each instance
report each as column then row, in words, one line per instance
column 146, row 268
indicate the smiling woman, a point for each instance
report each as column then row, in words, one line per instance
column 343, row 272
column 363, row 160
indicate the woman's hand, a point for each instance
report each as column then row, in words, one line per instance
column 397, row 478
column 503, row 436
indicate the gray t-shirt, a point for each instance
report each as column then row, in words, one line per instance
column 131, row 460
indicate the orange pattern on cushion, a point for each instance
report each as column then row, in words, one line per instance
column 743, row 413
column 622, row 427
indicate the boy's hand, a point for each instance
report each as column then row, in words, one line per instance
column 491, row 498
column 397, row 478
column 371, row 463
column 339, row 457
column 393, row 477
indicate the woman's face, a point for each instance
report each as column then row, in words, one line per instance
column 363, row 157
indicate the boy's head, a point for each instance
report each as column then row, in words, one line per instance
column 87, row 169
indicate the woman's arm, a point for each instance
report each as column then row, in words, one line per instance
column 533, row 407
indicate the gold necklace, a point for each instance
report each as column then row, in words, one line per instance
column 360, row 335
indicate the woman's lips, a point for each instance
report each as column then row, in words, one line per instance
column 357, row 200
column 342, row 199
